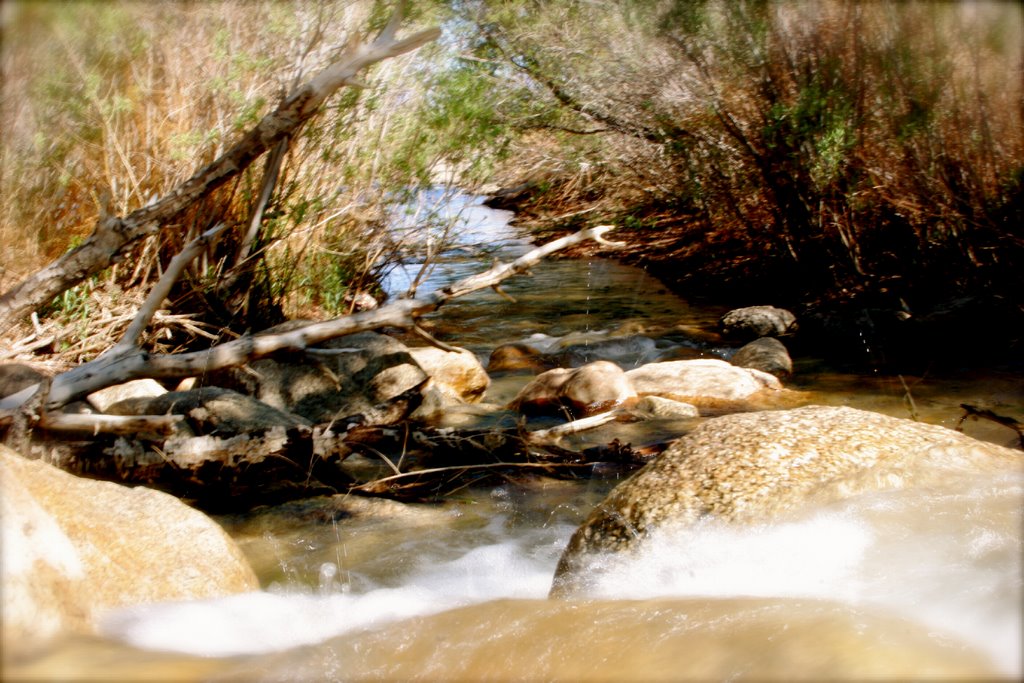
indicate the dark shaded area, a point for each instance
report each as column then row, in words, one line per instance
column 925, row 309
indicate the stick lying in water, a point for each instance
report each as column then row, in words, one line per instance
column 985, row 414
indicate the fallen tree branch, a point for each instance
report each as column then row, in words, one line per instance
column 436, row 343
column 391, row 486
column 162, row 288
column 113, row 236
column 553, row 434
column 126, row 425
column 985, row 414
column 135, row 363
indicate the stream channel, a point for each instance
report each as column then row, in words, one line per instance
column 927, row 581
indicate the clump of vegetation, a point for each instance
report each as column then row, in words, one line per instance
column 109, row 106
column 785, row 148
column 789, row 147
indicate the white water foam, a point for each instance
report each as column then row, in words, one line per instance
column 948, row 560
column 268, row 621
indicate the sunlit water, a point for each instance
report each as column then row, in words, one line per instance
column 921, row 582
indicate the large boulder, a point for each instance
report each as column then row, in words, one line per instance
column 73, row 548
column 759, row 467
column 593, row 388
column 366, row 374
column 633, row 640
column 766, row 354
column 757, row 321
column 701, row 381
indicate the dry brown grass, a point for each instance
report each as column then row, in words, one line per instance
column 106, row 106
column 852, row 143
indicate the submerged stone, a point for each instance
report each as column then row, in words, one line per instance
column 514, row 357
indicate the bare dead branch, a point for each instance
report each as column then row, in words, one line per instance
column 383, row 485
column 551, row 435
column 433, row 341
column 160, row 425
column 134, row 363
column 270, row 175
column 163, row 287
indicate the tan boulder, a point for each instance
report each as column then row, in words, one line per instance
column 590, row 389
column 596, row 387
column 702, row 380
column 456, row 379
column 634, row 640
column 457, row 374
column 541, row 395
column 73, row 548
column 759, row 467
column 103, row 399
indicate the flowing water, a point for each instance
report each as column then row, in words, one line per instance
column 917, row 583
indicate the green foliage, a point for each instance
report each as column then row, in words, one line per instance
column 130, row 98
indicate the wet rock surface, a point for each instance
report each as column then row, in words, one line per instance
column 753, row 322
column 759, row 467
column 74, row 547
column 766, row 354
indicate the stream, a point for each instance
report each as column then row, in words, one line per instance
column 921, row 582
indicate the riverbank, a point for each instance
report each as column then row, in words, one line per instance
column 911, row 323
